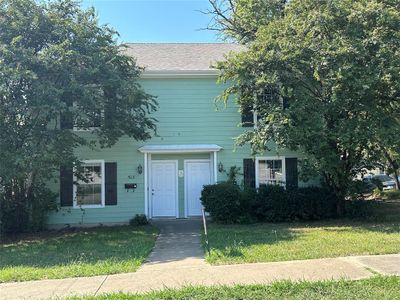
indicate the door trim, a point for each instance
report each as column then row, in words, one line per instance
column 186, row 161
column 176, row 185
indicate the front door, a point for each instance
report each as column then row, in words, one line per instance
column 163, row 188
column 198, row 174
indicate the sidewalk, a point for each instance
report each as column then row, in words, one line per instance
column 171, row 275
column 177, row 261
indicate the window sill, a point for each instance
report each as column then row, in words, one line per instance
column 89, row 206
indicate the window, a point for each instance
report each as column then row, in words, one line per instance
column 87, row 121
column 270, row 171
column 269, row 97
column 89, row 192
column 247, row 117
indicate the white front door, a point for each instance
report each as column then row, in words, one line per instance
column 164, row 188
column 197, row 174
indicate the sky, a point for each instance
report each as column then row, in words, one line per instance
column 159, row 21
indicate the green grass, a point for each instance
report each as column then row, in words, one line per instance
column 85, row 252
column 383, row 288
column 296, row 241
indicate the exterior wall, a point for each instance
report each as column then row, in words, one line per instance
column 187, row 114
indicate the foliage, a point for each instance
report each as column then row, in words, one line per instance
column 20, row 214
column 392, row 195
column 227, row 203
column 335, row 71
column 275, row 204
column 268, row 242
column 75, row 253
column 232, row 174
column 361, row 209
column 139, row 220
column 239, row 20
column 58, row 68
column 385, row 147
column 224, row 202
column 271, row 203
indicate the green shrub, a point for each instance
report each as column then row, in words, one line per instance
column 275, row 204
column 362, row 209
column 392, row 195
column 313, row 203
column 377, row 192
column 271, row 204
column 139, row 220
column 25, row 213
column 227, row 203
column 224, row 202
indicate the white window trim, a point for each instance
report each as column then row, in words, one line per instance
column 103, row 186
column 281, row 158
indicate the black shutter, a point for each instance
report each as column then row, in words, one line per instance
column 111, row 183
column 291, row 173
column 66, row 186
column 66, row 120
column 285, row 103
column 247, row 117
column 249, row 172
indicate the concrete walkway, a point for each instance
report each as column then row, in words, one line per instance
column 177, row 261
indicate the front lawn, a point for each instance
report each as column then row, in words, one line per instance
column 84, row 252
column 383, row 288
column 295, row 241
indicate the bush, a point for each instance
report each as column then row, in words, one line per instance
column 224, row 202
column 392, row 195
column 271, row 203
column 275, row 204
column 362, row 209
column 139, row 220
column 25, row 213
column 227, row 203
column 314, row 203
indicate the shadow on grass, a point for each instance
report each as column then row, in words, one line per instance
column 233, row 241
column 122, row 243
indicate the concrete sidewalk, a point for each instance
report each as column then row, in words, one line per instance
column 177, row 261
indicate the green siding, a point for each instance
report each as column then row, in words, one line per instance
column 187, row 115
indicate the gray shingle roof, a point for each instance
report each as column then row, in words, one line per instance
column 179, row 56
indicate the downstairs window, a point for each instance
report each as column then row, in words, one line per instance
column 90, row 191
column 271, row 171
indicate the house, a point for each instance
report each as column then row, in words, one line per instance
column 163, row 176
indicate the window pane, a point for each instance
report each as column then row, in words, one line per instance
column 270, row 171
column 88, row 191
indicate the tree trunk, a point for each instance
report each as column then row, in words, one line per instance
column 340, row 207
column 395, row 167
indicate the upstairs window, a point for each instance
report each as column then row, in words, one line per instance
column 90, row 122
column 269, row 96
column 248, row 117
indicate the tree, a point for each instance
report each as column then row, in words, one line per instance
column 59, row 68
column 335, row 67
column 240, row 19
column 385, row 147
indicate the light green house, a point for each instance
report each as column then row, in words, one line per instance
column 163, row 176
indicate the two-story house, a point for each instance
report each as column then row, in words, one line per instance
column 164, row 176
